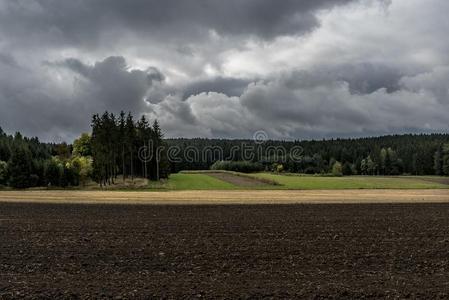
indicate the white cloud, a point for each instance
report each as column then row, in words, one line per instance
column 320, row 109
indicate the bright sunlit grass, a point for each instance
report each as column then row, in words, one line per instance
column 186, row 181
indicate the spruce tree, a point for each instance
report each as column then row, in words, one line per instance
column 129, row 141
column 122, row 142
column 3, row 172
column 438, row 162
column 19, row 167
column 445, row 165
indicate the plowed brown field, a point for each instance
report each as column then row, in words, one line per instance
column 72, row 251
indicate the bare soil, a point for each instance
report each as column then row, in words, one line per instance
column 340, row 251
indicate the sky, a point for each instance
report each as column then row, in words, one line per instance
column 294, row 69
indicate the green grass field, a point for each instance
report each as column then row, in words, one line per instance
column 188, row 181
column 202, row 181
column 350, row 182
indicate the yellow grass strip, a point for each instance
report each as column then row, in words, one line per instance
column 230, row 197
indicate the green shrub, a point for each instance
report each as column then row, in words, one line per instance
column 337, row 169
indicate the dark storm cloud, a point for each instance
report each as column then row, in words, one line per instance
column 7, row 60
column 84, row 22
column 111, row 84
column 36, row 103
column 363, row 78
column 31, row 105
column 295, row 68
column 367, row 78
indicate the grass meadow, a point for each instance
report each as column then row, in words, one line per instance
column 351, row 182
column 189, row 181
column 202, row 181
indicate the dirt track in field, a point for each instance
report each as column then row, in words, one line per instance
column 238, row 180
column 230, row 197
column 440, row 180
column 70, row 251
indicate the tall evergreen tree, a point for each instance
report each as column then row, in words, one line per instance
column 161, row 165
column 445, row 164
column 438, row 162
column 144, row 134
column 54, row 172
column 130, row 133
column 3, row 172
column 19, row 167
column 122, row 141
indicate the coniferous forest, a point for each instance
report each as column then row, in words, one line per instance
column 121, row 148
column 386, row 155
column 117, row 148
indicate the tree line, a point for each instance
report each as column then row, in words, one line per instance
column 120, row 148
column 26, row 162
column 413, row 154
column 117, row 146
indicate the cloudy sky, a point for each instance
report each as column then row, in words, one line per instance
column 212, row 68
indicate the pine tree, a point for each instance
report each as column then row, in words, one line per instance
column 157, row 144
column 144, row 135
column 98, row 151
column 54, row 172
column 130, row 139
column 347, row 169
column 122, row 140
column 446, row 159
column 3, row 172
column 19, row 167
column 114, row 145
column 438, row 162
column 161, row 166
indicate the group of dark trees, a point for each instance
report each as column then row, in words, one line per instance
column 26, row 162
column 121, row 146
column 118, row 146
column 387, row 155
